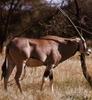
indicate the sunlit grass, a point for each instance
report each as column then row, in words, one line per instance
column 69, row 83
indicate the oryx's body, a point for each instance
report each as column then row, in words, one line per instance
column 48, row 51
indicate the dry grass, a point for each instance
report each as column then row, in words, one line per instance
column 69, row 83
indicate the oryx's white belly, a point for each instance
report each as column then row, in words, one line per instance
column 34, row 63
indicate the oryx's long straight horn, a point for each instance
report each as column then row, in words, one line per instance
column 71, row 23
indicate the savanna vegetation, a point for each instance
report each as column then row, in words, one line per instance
column 35, row 18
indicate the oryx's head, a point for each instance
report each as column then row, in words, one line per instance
column 83, row 47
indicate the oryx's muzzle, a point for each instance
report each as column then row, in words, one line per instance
column 88, row 52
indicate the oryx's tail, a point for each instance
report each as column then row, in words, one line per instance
column 4, row 70
column 4, row 66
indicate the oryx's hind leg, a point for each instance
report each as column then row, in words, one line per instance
column 10, row 66
column 17, row 76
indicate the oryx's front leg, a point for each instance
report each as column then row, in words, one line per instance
column 51, row 80
column 48, row 74
column 45, row 76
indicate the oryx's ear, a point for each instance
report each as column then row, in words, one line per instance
column 82, row 46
